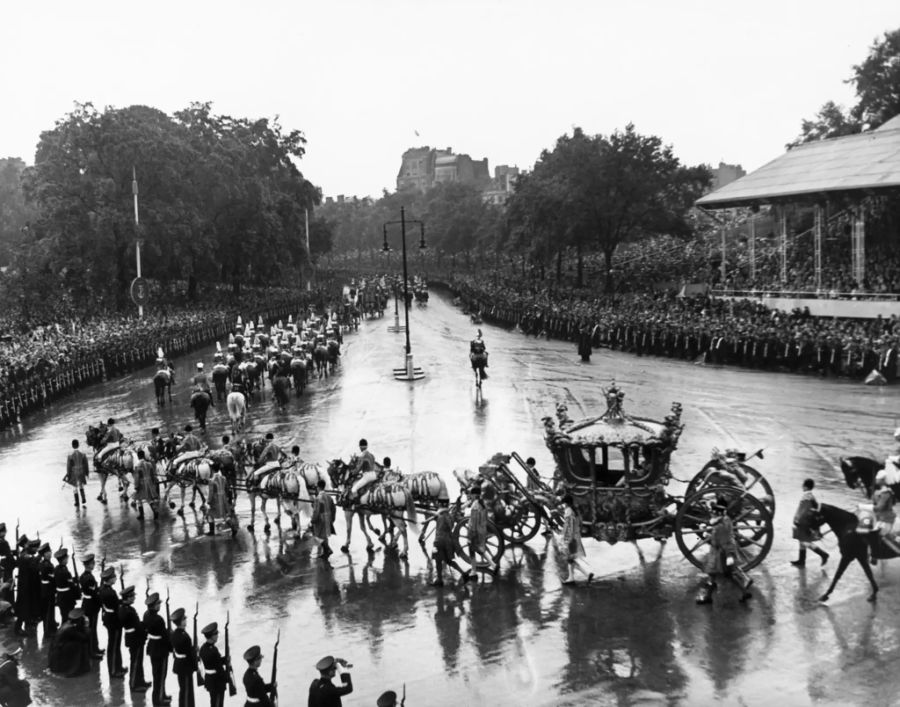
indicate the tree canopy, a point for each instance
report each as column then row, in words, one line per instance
column 220, row 199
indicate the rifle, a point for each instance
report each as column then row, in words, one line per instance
column 168, row 615
column 17, row 533
column 274, row 691
column 122, row 576
column 103, row 563
column 196, row 649
column 403, row 700
column 76, row 585
column 229, row 671
column 147, row 590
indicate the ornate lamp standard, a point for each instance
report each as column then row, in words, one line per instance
column 409, row 372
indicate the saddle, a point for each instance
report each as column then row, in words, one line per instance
column 265, row 470
column 185, row 457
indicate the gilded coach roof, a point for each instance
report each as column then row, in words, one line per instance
column 869, row 161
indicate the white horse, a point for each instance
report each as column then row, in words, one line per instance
column 236, row 404
column 195, row 469
column 119, row 462
column 271, row 480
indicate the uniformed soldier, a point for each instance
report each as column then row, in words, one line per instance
column 214, row 666
column 366, row 460
column 67, row 589
column 322, row 692
column 90, row 602
column 135, row 637
column 28, row 605
column 109, row 604
column 48, row 590
column 258, row 690
column 7, row 565
column 184, row 664
column 159, row 646
column 271, row 452
column 76, row 474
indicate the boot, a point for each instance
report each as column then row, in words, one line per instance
column 212, row 528
column 83, row 499
column 705, row 595
column 822, row 554
column 77, row 501
column 801, row 559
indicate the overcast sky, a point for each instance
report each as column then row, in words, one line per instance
column 717, row 80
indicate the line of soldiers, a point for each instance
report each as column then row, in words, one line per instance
column 42, row 588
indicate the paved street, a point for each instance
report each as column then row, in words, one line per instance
column 634, row 637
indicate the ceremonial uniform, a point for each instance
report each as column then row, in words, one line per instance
column 7, row 565
column 135, row 637
column 109, row 604
column 214, row 672
column 70, row 649
column 90, row 604
column 76, row 474
column 28, row 605
column 184, row 665
column 48, row 591
column 322, row 692
column 159, row 646
column 67, row 589
column 257, row 689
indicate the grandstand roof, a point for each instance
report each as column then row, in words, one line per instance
column 868, row 162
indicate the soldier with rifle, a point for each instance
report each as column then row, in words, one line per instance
column 135, row 637
column 109, row 603
column 7, row 564
column 28, row 610
column 68, row 591
column 90, row 601
column 48, row 590
column 184, row 664
column 214, row 666
column 158, row 646
column 258, row 692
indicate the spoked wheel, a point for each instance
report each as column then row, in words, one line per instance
column 522, row 526
column 494, row 543
column 716, row 473
column 750, row 517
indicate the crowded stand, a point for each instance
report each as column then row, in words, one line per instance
column 54, row 355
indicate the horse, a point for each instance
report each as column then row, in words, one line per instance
column 272, row 480
column 236, row 404
column 479, row 361
column 394, row 502
column 220, row 375
column 281, row 385
column 859, row 473
column 117, row 462
column 200, row 401
column 320, row 358
column 334, row 353
column 252, row 373
column 193, row 470
column 298, row 372
column 162, row 384
column 852, row 544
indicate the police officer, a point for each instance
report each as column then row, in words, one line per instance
column 90, row 602
column 109, row 604
column 135, row 637
column 258, row 690
column 67, row 589
column 159, row 646
column 48, row 590
column 184, row 664
column 322, row 692
column 214, row 667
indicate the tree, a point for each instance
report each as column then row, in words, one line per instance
column 877, row 82
column 15, row 214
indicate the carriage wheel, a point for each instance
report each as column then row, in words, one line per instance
column 494, row 543
column 524, row 526
column 714, row 473
column 751, row 519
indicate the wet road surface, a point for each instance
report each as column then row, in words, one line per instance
column 633, row 637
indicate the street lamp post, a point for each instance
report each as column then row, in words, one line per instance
column 409, row 372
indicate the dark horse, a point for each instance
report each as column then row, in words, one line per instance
column 298, row 372
column 859, row 473
column 320, row 358
column 220, row 375
column 200, row 401
column 162, row 383
column 852, row 544
column 281, row 385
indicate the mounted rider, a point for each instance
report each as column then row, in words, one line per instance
column 271, row 452
column 188, row 449
column 883, row 505
column 111, row 439
column 200, row 381
column 478, row 349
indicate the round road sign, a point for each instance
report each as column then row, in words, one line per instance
column 140, row 291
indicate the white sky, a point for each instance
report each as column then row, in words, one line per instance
column 717, row 80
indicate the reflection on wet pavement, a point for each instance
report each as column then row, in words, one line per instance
column 635, row 636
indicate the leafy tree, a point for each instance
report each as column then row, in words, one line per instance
column 831, row 121
column 15, row 214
